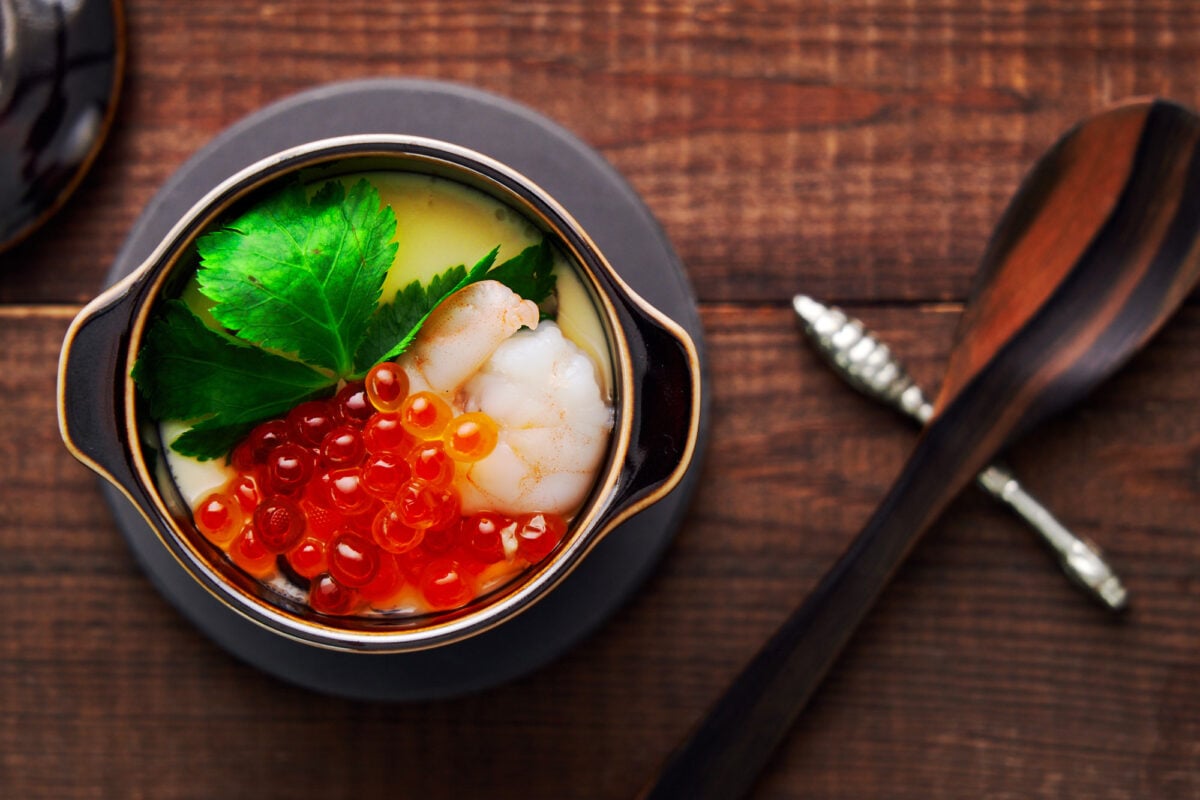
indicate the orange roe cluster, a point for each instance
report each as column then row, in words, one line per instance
column 354, row 499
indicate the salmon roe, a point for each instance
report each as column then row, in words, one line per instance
column 387, row 584
column 444, row 584
column 219, row 517
column 308, row 558
column 327, row 596
column 431, row 463
column 387, row 386
column 383, row 433
column 354, row 501
column 352, row 404
column 248, row 553
column 471, row 437
column 425, row 415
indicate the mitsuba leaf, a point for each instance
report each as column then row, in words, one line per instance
column 187, row 371
column 396, row 324
column 393, row 321
column 529, row 273
column 302, row 276
column 207, row 441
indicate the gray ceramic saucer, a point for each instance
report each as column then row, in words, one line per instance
column 625, row 231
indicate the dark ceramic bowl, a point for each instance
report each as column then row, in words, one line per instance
column 656, row 398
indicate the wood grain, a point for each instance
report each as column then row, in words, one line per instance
column 981, row 672
column 867, row 146
column 858, row 151
column 1045, row 325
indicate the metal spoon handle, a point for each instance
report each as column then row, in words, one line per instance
column 866, row 363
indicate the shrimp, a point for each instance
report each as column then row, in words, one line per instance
column 461, row 333
column 554, row 423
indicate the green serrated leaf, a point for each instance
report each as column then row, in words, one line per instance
column 529, row 273
column 302, row 276
column 447, row 283
column 185, row 370
column 393, row 321
column 396, row 324
column 207, row 441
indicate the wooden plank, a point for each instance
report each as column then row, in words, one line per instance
column 863, row 149
column 859, row 151
column 981, row 673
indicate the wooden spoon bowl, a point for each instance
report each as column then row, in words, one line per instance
column 1096, row 250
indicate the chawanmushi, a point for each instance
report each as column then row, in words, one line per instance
column 422, row 443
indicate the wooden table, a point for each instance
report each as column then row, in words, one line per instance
column 859, row 152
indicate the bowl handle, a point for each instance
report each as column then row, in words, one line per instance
column 91, row 402
column 666, row 417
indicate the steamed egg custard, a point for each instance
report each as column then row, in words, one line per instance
column 404, row 435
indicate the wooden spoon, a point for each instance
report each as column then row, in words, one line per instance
column 1093, row 254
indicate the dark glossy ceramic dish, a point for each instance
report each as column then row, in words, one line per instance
column 463, row 655
column 656, row 396
column 60, row 72
column 651, row 468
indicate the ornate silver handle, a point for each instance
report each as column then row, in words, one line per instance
column 868, row 365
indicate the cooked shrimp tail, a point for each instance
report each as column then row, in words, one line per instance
column 462, row 333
